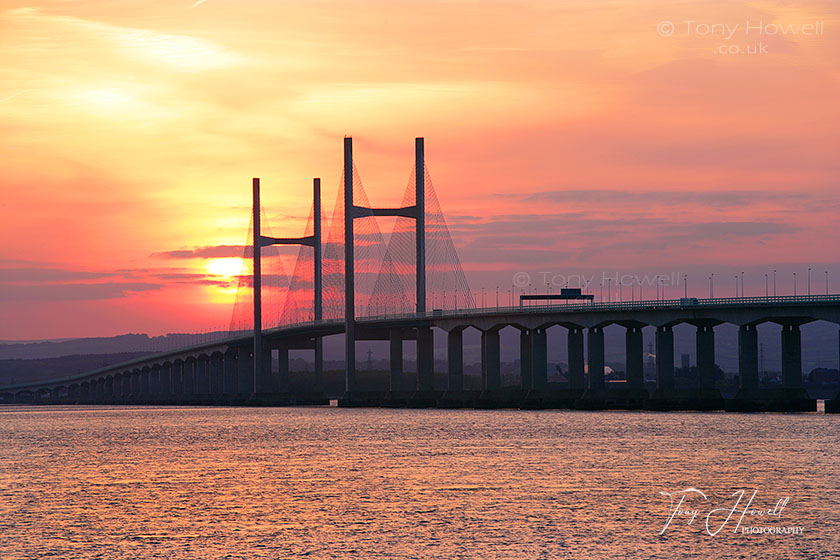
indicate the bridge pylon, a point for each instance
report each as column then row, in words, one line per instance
column 425, row 349
column 262, row 374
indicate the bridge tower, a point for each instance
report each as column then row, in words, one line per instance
column 418, row 213
column 261, row 365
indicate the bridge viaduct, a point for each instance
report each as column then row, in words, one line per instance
column 221, row 372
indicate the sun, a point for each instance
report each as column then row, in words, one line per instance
column 225, row 268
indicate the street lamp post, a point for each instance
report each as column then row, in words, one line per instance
column 774, row 282
column 685, row 286
column 712, row 286
column 809, row 281
column 742, row 284
column 766, row 285
column 794, row 283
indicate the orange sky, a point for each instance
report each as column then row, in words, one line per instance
column 571, row 137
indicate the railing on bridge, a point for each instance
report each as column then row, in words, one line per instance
column 613, row 306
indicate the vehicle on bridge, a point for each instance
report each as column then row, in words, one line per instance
column 565, row 294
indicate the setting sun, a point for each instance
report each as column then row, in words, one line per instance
column 226, row 268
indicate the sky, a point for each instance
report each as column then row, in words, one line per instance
column 564, row 139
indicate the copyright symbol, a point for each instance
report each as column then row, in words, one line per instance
column 521, row 279
column 665, row 28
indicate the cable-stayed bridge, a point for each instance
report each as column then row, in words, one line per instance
column 353, row 284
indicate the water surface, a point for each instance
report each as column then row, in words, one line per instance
column 178, row 483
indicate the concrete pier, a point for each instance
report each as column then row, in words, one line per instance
column 154, row 383
column 595, row 350
column 791, row 356
column 178, row 380
column 202, row 377
column 245, row 361
column 539, row 359
column 145, row 385
column 190, row 390
column 576, row 359
column 666, row 396
column 634, row 357
column 526, row 382
column 594, row 396
column 263, row 384
column 217, row 381
column 425, row 360
column 73, row 390
column 706, row 369
column 455, row 360
column 794, row 397
column 127, row 386
column 134, row 385
column 491, row 360
column 708, row 396
column 492, row 395
column 231, row 375
column 664, row 359
column 165, row 392
column 749, row 394
column 747, row 358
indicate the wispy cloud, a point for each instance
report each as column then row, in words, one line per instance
column 75, row 291
column 12, row 96
column 210, row 252
column 655, row 198
column 38, row 275
column 44, row 32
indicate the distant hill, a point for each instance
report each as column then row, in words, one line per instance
column 25, row 371
column 102, row 345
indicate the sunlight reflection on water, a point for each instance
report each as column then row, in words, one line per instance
column 82, row 482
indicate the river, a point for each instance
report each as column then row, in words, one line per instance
column 180, row 482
